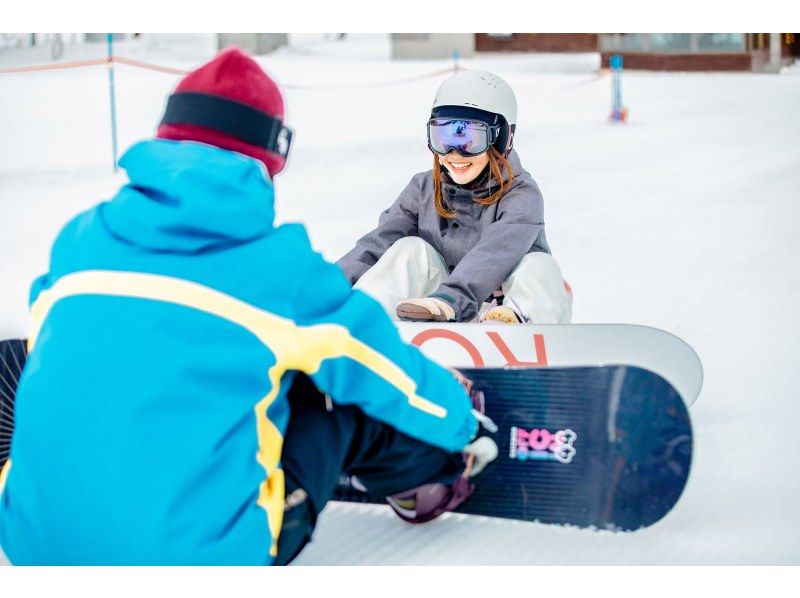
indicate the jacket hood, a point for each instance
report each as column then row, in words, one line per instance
column 186, row 197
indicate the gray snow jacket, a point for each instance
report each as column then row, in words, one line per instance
column 481, row 245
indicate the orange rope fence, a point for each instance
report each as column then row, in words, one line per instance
column 54, row 67
column 378, row 84
column 148, row 66
column 174, row 71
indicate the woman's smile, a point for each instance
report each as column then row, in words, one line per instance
column 463, row 170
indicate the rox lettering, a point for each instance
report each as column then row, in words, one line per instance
column 542, row 445
column 540, row 352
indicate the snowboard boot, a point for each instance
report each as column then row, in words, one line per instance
column 427, row 502
column 501, row 314
column 426, row 309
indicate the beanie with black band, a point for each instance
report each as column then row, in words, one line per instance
column 231, row 103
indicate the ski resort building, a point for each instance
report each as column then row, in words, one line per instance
column 761, row 52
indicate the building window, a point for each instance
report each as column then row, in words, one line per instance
column 721, row 42
column 666, row 43
column 670, row 42
column 616, row 42
column 635, row 42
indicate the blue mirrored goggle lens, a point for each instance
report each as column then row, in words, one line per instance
column 465, row 137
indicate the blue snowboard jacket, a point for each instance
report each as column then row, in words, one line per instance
column 150, row 415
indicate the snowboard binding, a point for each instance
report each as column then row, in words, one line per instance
column 429, row 501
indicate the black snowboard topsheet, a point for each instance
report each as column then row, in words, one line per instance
column 12, row 359
column 608, row 447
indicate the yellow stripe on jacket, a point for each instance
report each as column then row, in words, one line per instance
column 4, row 474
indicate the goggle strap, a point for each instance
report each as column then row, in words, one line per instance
column 230, row 117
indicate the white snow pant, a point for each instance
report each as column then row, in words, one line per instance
column 411, row 268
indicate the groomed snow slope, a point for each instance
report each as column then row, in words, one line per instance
column 684, row 219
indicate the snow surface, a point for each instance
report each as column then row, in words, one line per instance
column 685, row 219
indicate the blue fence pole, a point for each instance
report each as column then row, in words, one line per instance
column 455, row 61
column 618, row 112
column 112, row 95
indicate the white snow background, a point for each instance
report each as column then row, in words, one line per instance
column 685, row 218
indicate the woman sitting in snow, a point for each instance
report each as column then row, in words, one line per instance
column 469, row 230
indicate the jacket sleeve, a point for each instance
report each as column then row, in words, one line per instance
column 396, row 222
column 353, row 352
column 502, row 245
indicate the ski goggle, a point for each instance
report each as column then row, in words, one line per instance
column 467, row 137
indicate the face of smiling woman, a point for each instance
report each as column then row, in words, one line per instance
column 464, row 170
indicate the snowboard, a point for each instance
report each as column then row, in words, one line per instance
column 13, row 354
column 606, row 447
column 560, row 345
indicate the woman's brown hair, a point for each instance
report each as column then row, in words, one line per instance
column 497, row 165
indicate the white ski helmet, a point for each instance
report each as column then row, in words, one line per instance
column 479, row 95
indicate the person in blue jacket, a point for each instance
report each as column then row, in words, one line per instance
column 198, row 377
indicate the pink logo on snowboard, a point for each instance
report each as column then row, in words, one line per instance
column 543, row 445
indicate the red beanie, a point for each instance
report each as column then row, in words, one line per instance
column 231, row 103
